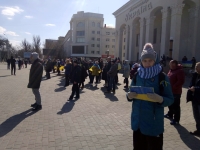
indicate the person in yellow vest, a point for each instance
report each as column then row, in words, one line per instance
column 95, row 69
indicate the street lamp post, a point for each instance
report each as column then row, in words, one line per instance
column 171, row 47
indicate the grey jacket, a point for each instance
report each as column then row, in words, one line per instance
column 113, row 70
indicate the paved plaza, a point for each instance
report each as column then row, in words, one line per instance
column 96, row 121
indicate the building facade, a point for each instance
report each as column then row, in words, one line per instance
column 172, row 26
column 89, row 37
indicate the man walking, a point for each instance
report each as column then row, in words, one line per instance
column 35, row 78
column 177, row 79
column 13, row 65
column 75, row 79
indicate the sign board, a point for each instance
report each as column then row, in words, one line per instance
column 27, row 54
column 106, row 56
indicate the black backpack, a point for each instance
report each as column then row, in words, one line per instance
column 161, row 78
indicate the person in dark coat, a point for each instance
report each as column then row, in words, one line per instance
column 195, row 89
column 177, row 78
column 13, row 65
column 68, row 70
column 104, row 74
column 48, row 68
column 58, row 67
column 8, row 63
column 35, row 78
column 193, row 62
column 19, row 64
column 75, row 79
column 25, row 62
column 83, row 75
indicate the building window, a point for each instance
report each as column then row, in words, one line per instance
column 80, row 33
column 93, row 24
column 155, row 36
column 113, row 46
column 92, row 45
column 93, row 38
column 107, row 39
column 113, row 40
column 80, row 40
column 92, row 52
column 98, row 32
column 93, row 32
column 137, row 40
column 99, row 24
column 98, row 39
column 113, row 33
column 124, row 39
column 107, row 46
column 80, row 24
column 97, row 52
column 98, row 45
column 107, row 33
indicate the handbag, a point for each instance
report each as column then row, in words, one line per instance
column 189, row 96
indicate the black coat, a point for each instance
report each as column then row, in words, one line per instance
column 35, row 75
column 196, row 83
column 12, row 61
column 76, row 74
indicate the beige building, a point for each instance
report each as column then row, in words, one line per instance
column 89, row 37
column 172, row 26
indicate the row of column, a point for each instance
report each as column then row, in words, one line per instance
column 147, row 28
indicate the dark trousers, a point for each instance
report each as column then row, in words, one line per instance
column 92, row 79
column 126, row 81
column 66, row 79
column 48, row 75
column 25, row 65
column 196, row 113
column 145, row 142
column 13, row 68
column 175, row 109
column 58, row 71
column 75, row 89
column 111, row 84
column 82, row 83
column 116, row 78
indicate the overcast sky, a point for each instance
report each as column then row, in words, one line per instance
column 21, row 19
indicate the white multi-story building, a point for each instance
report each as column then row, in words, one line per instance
column 89, row 37
column 172, row 26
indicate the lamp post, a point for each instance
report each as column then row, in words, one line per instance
column 171, row 47
column 107, row 53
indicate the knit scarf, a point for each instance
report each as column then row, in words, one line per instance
column 150, row 72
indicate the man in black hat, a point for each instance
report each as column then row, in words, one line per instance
column 75, row 79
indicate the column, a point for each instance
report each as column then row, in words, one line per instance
column 141, row 44
column 131, row 44
column 194, row 18
column 176, row 15
column 150, row 28
column 127, row 42
column 164, row 31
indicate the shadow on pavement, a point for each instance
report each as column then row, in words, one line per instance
column 190, row 140
column 67, row 107
column 6, row 76
column 60, row 89
column 109, row 96
column 91, row 87
column 13, row 121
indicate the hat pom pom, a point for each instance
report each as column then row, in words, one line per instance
column 148, row 46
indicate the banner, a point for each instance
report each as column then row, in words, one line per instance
column 27, row 54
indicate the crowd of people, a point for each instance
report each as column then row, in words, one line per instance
column 147, row 116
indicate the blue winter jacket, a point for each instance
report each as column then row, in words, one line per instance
column 148, row 116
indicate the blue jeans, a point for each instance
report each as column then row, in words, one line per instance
column 111, row 83
column 196, row 113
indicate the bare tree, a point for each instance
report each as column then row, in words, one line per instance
column 26, row 46
column 36, row 44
